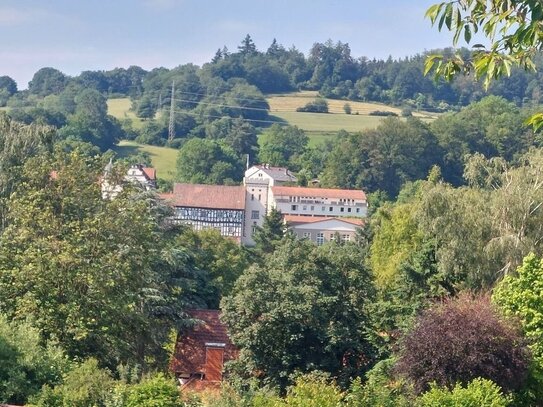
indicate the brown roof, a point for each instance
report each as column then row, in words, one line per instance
column 320, row 192
column 150, row 173
column 313, row 219
column 190, row 349
column 207, row 196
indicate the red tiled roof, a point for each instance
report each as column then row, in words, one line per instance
column 190, row 349
column 150, row 173
column 320, row 192
column 313, row 219
column 207, row 196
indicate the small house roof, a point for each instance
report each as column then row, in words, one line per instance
column 190, row 349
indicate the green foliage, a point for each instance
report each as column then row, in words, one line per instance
column 25, row 364
column 396, row 236
column 85, row 385
column 157, row 391
column 47, row 81
column 479, row 392
column 512, row 28
column 382, row 159
column 95, row 274
column 207, row 162
column 311, row 315
column 282, row 146
column 319, row 105
column 18, row 143
column 521, row 296
column 221, row 258
column 269, row 235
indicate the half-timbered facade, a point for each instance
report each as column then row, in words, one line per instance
column 202, row 207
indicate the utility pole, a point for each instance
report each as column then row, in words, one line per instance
column 171, row 126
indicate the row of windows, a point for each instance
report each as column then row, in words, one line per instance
column 320, row 237
column 209, row 214
column 323, row 209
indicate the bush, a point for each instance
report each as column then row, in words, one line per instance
column 479, row 392
column 157, row 391
column 86, row 385
column 384, row 113
column 319, row 105
column 462, row 339
column 347, row 108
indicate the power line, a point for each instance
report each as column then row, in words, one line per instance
column 218, row 96
column 237, row 118
column 221, row 105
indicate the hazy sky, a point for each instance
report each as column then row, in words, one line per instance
column 76, row 35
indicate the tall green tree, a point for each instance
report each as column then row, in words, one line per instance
column 311, row 316
column 89, row 272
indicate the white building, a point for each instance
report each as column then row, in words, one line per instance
column 314, row 213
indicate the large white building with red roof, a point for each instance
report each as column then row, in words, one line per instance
column 318, row 214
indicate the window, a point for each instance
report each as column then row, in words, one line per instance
column 252, row 197
column 294, row 207
column 357, row 210
column 342, row 209
column 307, row 235
column 305, row 207
column 255, row 214
column 349, row 210
column 312, row 208
column 259, row 197
column 345, row 238
column 254, row 227
column 331, row 209
column 323, row 208
column 320, row 238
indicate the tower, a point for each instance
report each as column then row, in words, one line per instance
column 171, row 126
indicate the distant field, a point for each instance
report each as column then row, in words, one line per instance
column 289, row 102
column 329, row 123
column 120, row 108
column 162, row 158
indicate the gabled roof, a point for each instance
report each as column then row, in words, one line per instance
column 320, row 192
column 207, row 196
column 277, row 173
column 190, row 349
column 150, row 173
column 300, row 219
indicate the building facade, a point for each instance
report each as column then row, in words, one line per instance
column 218, row 207
column 237, row 211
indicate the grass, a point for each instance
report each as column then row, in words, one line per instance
column 162, row 158
column 120, row 109
column 321, row 126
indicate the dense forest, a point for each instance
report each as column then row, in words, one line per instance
column 437, row 302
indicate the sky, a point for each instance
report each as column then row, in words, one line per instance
column 77, row 35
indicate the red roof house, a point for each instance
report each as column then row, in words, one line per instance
column 201, row 351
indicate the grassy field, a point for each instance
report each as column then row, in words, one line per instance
column 289, row 102
column 120, row 108
column 162, row 158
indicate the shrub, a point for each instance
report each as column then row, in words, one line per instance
column 347, row 108
column 479, row 392
column 319, row 105
column 459, row 340
column 384, row 113
column 157, row 391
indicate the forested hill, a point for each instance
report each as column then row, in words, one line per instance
column 328, row 68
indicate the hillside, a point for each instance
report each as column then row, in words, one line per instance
column 162, row 158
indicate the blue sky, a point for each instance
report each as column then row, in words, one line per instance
column 76, row 35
